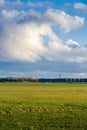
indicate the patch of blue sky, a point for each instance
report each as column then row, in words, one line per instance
column 78, row 35
column 46, row 39
column 59, row 33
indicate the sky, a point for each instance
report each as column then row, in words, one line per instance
column 43, row 38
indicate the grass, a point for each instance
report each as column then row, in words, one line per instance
column 43, row 106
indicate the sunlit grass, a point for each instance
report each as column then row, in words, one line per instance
column 39, row 103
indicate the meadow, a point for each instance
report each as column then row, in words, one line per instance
column 43, row 106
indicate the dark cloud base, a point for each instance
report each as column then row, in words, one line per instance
column 44, row 65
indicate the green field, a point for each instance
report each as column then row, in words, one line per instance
column 43, row 106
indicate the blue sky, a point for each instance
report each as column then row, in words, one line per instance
column 43, row 38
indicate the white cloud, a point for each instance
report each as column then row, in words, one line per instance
column 63, row 20
column 52, row 17
column 18, row 4
column 80, row 6
column 9, row 15
column 39, row 4
column 24, row 41
column 22, row 36
column 71, row 43
column 45, row 4
column 66, row 53
column 42, row 74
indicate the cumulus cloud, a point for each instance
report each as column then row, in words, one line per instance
column 50, row 16
column 63, row 20
column 66, row 53
column 22, row 43
column 23, row 36
column 80, row 6
column 39, row 4
column 18, row 4
column 72, row 44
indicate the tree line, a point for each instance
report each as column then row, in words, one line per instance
column 18, row 79
column 26, row 79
